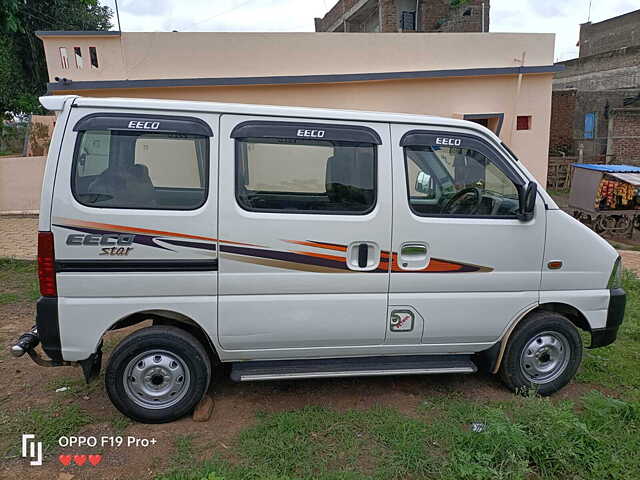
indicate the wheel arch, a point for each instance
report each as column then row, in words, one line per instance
column 493, row 356
column 171, row 318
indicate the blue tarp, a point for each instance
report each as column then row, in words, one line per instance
column 608, row 168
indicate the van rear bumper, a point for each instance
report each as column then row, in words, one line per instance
column 601, row 337
column 49, row 327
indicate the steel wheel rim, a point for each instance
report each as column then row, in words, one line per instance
column 156, row 379
column 545, row 357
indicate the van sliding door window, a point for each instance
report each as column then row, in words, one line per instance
column 305, row 176
column 458, row 181
column 140, row 169
column 327, row 175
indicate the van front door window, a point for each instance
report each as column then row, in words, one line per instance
column 451, row 180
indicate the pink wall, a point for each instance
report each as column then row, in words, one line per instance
column 20, row 183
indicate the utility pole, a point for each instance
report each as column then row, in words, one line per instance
column 118, row 16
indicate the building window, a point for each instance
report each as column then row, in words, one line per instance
column 78, row 54
column 523, row 122
column 64, row 59
column 93, row 56
column 590, row 122
column 408, row 20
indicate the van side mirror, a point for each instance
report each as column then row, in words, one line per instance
column 527, row 199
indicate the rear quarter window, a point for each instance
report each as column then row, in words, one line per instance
column 140, row 170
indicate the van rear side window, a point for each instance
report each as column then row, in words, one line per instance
column 142, row 170
column 305, row 176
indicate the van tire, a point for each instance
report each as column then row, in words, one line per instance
column 165, row 361
column 547, row 346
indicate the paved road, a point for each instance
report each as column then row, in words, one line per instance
column 18, row 236
column 18, row 239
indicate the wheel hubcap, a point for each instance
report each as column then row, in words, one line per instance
column 545, row 357
column 156, row 379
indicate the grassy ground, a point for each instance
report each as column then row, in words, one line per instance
column 18, row 281
column 591, row 435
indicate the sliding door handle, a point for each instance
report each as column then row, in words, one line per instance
column 363, row 256
column 363, row 253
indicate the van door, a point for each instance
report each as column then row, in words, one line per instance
column 305, row 226
column 134, row 218
column 461, row 258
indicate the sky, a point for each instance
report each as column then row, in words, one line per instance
column 561, row 17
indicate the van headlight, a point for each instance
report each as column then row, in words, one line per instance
column 615, row 280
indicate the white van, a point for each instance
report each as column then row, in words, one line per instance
column 302, row 243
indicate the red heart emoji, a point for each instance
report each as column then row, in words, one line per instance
column 95, row 459
column 79, row 459
column 65, row 459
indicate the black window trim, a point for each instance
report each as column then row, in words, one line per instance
column 239, row 141
column 481, row 146
column 74, row 164
column 173, row 123
column 336, row 132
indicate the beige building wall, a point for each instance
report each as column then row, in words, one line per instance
column 168, row 55
column 20, row 183
column 269, row 58
column 449, row 97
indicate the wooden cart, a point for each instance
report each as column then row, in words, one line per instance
column 585, row 185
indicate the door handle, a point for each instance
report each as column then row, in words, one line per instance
column 363, row 256
column 414, row 256
column 363, row 253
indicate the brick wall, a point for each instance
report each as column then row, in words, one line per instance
column 563, row 110
column 626, row 136
column 614, row 33
column 467, row 18
column 433, row 15
column 605, row 71
column 333, row 15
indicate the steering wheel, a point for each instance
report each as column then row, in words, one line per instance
column 466, row 201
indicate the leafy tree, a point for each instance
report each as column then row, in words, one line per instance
column 23, row 70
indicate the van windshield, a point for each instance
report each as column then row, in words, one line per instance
column 454, row 180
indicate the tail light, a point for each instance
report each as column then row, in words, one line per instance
column 46, row 265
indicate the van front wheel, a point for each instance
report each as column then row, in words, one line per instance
column 157, row 374
column 543, row 354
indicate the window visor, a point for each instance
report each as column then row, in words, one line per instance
column 144, row 123
column 306, row 131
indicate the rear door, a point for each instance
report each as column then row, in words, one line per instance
column 462, row 259
column 305, row 229
column 134, row 219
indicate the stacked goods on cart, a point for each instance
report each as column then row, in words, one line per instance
column 615, row 194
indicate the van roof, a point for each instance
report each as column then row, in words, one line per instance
column 56, row 102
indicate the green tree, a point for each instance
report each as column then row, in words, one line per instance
column 23, row 70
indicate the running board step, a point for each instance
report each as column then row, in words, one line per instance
column 351, row 367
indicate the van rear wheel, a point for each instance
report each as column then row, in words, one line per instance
column 157, row 374
column 543, row 354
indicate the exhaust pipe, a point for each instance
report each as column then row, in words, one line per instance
column 27, row 342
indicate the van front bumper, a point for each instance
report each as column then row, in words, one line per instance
column 601, row 337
